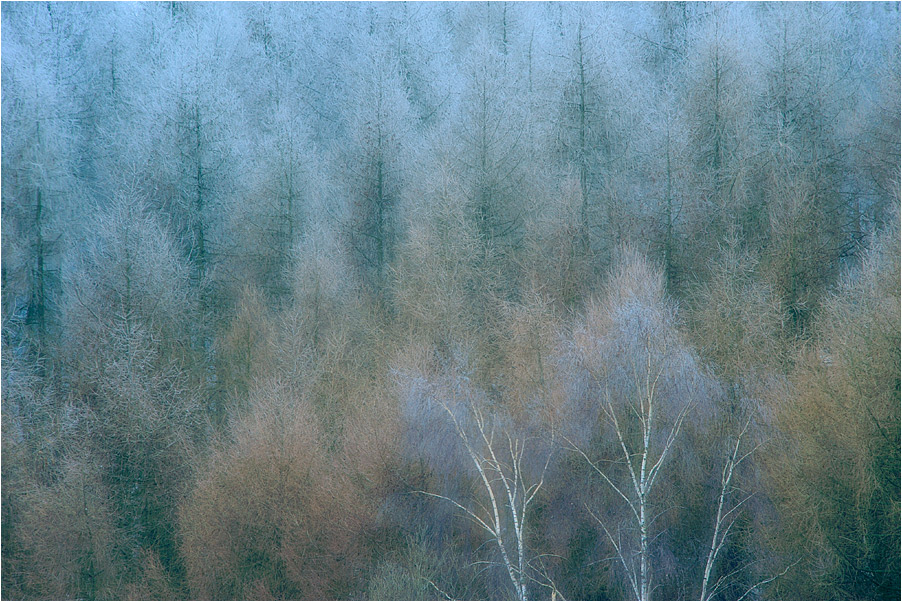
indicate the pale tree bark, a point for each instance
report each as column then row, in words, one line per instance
column 498, row 457
column 726, row 515
column 643, row 461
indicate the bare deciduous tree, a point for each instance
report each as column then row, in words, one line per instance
column 510, row 467
column 643, row 461
column 726, row 515
column 630, row 373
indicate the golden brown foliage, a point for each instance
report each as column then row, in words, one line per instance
column 835, row 473
column 70, row 537
column 737, row 322
column 245, row 346
column 273, row 515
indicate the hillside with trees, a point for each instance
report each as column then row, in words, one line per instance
column 429, row 301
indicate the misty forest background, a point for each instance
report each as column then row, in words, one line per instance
column 429, row 301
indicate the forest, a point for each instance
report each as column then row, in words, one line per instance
column 439, row 301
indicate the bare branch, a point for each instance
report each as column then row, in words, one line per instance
column 768, row 580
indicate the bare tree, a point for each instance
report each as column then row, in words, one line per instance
column 592, row 122
column 132, row 368
column 632, row 378
column 643, row 460
column 373, row 165
column 39, row 162
column 493, row 134
column 266, row 225
column 510, row 466
column 727, row 513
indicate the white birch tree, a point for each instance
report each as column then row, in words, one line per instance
column 632, row 376
column 508, row 462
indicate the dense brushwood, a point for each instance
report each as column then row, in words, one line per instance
column 273, row 515
column 838, row 485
